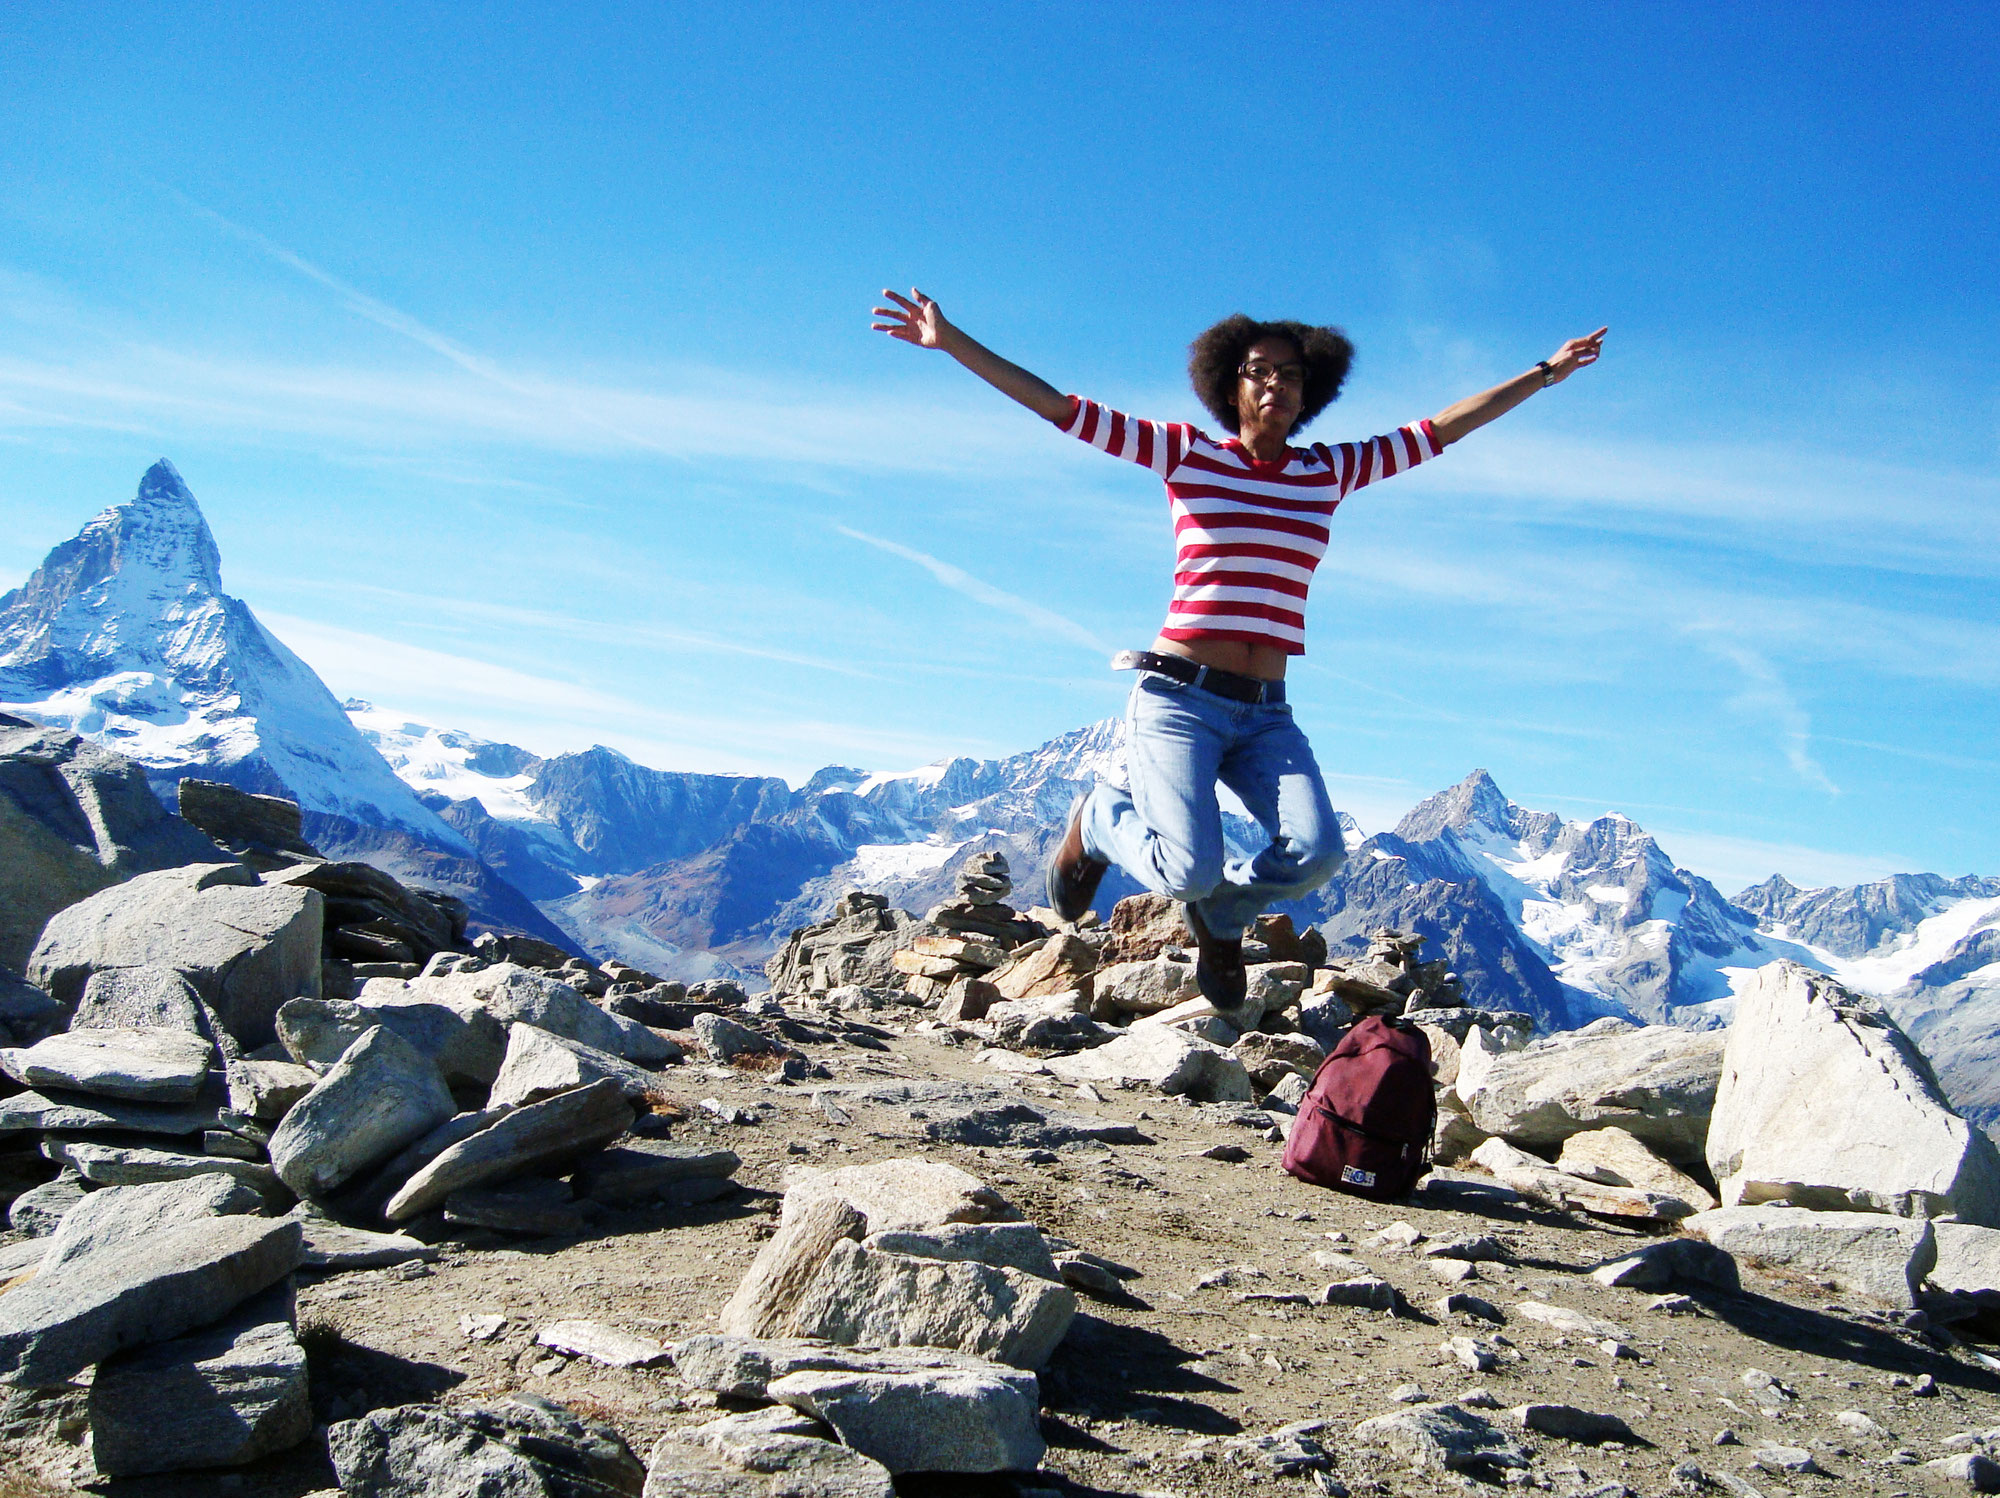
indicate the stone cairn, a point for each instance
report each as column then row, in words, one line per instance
column 1389, row 980
column 976, row 931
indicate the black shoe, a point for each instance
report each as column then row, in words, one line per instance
column 1218, row 970
column 1073, row 874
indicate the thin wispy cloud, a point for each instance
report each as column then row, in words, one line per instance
column 979, row 591
column 1766, row 694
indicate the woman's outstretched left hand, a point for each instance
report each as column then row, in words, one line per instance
column 1578, row 352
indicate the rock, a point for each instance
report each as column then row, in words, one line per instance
column 1567, row 1422
column 1671, row 1261
column 268, row 1089
column 1972, row 1468
column 460, row 1039
column 902, row 1194
column 1657, row 1083
column 38, row 1210
column 74, row 818
column 26, row 1013
column 1141, row 927
column 1369, row 1292
column 966, row 1000
column 246, row 949
column 1614, row 1157
column 1291, row 1450
column 166, row 1283
column 537, row 1207
column 602, row 1344
column 725, row 1040
column 1479, row 1248
column 1539, row 1181
column 855, row 945
column 119, row 1219
column 535, row 1137
column 1437, row 1437
column 1458, row 1303
column 221, row 1397
column 1476, row 1356
column 745, row 1367
column 1270, row 1058
column 539, row 1065
column 149, row 1066
column 334, row 1245
column 1825, row 1102
column 1444, row 1053
column 1147, row 987
column 1047, row 1022
column 1003, row 1245
column 126, row 998
column 268, row 828
column 642, row 1169
column 1869, row 1253
column 860, row 1295
column 521, row 1447
column 382, row 1095
column 1563, row 1319
column 1968, row 1262
column 1287, row 1093
column 936, row 1420
column 986, row 1117
column 1397, row 1237
column 758, row 1454
column 1163, row 1059
column 1087, row 1273
column 518, row 995
column 127, row 1165
column 1062, row 964
column 73, row 1113
column 1794, row 1459
column 788, row 1263
column 372, row 917
column 1860, row 1423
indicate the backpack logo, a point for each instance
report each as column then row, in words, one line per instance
column 1354, row 1176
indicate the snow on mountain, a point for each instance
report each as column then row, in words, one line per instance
column 125, row 636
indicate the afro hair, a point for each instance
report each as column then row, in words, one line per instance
column 1216, row 356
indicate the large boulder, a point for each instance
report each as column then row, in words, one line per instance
column 246, row 948
column 153, row 1065
column 74, row 819
column 1164, row 1059
column 520, row 995
column 532, row 1138
column 1144, row 987
column 382, row 1095
column 857, row 944
column 1826, row 1103
column 1657, row 1083
column 520, row 1447
column 459, row 1037
column 1867, row 1253
column 929, row 1420
column 901, row 1195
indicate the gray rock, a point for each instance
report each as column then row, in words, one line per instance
column 1004, row 1245
column 221, row 1397
column 1976, row 1470
column 1085, row 1272
column 937, row 1420
column 1869, row 1253
column 1537, row 1180
column 167, row 1283
column 642, row 1169
column 788, row 1264
column 1793, row 1459
column 381, row 1096
column 1612, row 1157
column 145, row 1066
column 1669, row 1262
column 1271, row 1058
column 1458, row 1303
column 522, row 1447
column 1046, row 1022
column 538, row 1207
column 725, row 1040
column 746, row 1367
column 903, row 1193
column 601, row 1344
column 517, row 995
column 139, row 998
column 268, row 1089
column 334, row 1245
column 535, row 1137
column 1370, row 1292
column 128, row 1165
column 245, row 950
column 1163, row 1059
column 760, row 1454
column 986, row 1117
column 1657, row 1083
column 268, row 828
column 120, row 1218
column 72, row 1112
column 1476, row 1356
column 893, row 1300
column 26, row 1013
column 1143, row 987
column 539, row 1065
column 38, row 1210
column 855, row 945
column 1439, row 1437
column 461, row 1040
column 1289, row 1451
column 1564, row 1319
column 74, row 818
column 1826, row 1103
column 1567, row 1422
column 1968, row 1262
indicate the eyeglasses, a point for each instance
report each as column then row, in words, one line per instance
column 1263, row 373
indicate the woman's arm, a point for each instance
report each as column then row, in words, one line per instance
column 1468, row 415
column 922, row 322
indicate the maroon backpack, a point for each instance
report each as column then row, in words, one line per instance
column 1366, row 1123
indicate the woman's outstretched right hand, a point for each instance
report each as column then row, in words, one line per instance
column 914, row 319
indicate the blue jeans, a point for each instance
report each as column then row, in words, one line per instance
column 1167, row 831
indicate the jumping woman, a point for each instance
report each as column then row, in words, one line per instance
column 1250, row 524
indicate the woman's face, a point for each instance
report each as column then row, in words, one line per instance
column 1271, row 384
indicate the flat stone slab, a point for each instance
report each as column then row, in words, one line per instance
column 1567, row 1422
column 1004, row 1245
column 120, row 1165
column 334, row 1245
column 168, row 1283
column 519, row 1447
column 1440, row 1437
column 894, row 1194
column 746, row 1367
column 1669, row 1262
column 120, row 1218
column 561, row 1127
column 933, row 1420
column 641, row 1169
column 1563, row 1319
column 221, row 1397
column 539, row 1064
column 156, row 1065
column 1869, row 1253
column 538, row 1207
column 986, row 1117
column 75, row 1112
column 381, row 1096
column 602, row 1344
column 38, row 1210
column 759, row 1454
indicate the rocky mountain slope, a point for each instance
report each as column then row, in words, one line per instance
column 124, row 635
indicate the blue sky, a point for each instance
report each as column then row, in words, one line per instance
column 519, row 359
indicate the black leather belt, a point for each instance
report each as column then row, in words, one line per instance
column 1231, row 684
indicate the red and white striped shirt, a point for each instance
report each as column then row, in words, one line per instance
column 1247, row 535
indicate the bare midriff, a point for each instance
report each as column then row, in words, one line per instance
column 1266, row 662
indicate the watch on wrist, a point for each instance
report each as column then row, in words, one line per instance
column 1548, row 372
